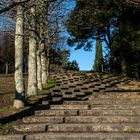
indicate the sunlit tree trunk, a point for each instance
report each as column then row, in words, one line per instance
column 42, row 47
column 6, row 68
column 48, row 54
column 44, row 68
column 39, row 79
column 32, row 61
column 19, row 84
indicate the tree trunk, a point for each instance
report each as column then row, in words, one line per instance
column 19, row 84
column 48, row 58
column 43, row 25
column 32, row 64
column 39, row 79
column 6, row 68
column 123, row 65
column 44, row 68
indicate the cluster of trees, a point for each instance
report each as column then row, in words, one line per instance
column 61, row 57
column 37, row 26
column 6, row 53
column 114, row 22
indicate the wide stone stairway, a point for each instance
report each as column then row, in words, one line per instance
column 85, row 106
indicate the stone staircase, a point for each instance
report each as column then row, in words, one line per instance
column 84, row 106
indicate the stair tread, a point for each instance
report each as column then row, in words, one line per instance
column 83, row 136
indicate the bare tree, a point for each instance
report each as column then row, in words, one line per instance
column 32, row 61
column 19, row 84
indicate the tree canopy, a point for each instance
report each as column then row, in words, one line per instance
column 114, row 22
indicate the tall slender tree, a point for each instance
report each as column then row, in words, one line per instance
column 19, row 84
column 98, row 63
column 32, row 62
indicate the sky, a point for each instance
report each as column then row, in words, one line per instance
column 84, row 58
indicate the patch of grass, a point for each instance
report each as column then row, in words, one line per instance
column 130, row 130
column 6, row 109
column 50, row 84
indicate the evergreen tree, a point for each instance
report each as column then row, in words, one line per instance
column 98, row 63
column 117, row 23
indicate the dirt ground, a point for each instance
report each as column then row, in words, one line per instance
column 7, row 95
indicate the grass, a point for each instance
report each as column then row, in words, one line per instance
column 8, row 128
column 42, row 93
column 7, row 94
column 50, row 84
column 130, row 130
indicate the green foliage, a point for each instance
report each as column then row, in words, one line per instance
column 50, row 84
column 72, row 65
column 61, row 57
column 117, row 23
column 98, row 63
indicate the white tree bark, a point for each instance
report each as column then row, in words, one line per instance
column 39, row 79
column 43, row 12
column 6, row 68
column 44, row 68
column 32, row 61
column 19, row 84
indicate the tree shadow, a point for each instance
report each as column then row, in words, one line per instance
column 30, row 110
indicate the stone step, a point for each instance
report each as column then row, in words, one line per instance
column 58, row 107
column 108, row 112
column 56, row 94
column 56, row 113
column 83, row 136
column 95, row 127
column 69, row 96
column 98, row 101
column 56, row 100
column 115, row 96
column 115, row 106
column 28, row 128
column 46, row 119
column 12, row 137
column 102, row 119
column 122, row 90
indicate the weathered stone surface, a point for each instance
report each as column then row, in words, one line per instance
column 108, row 112
column 95, row 127
column 103, row 102
column 12, row 137
column 83, row 136
column 57, row 113
column 47, row 119
column 86, row 111
column 102, row 119
column 31, row 128
column 115, row 106
column 69, row 107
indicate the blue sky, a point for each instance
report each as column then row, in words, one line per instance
column 84, row 58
